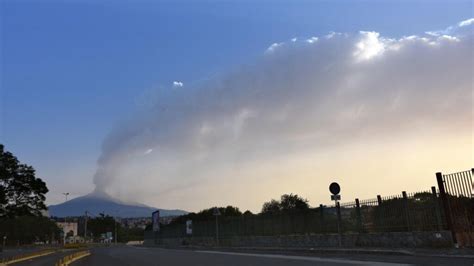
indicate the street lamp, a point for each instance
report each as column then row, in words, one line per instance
column 66, row 194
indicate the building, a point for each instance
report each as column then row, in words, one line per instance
column 69, row 229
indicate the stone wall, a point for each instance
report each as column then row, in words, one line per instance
column 436, row 239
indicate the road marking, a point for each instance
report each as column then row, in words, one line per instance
column 289, row 257
column 27, row 257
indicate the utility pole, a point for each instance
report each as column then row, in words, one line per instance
column 115, row 227
column 65, row 194
column 85, row 227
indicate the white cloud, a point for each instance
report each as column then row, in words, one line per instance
column 466, row 22
column 369, row 46
column 178, row 84
column 273, row 47
column 312, row 40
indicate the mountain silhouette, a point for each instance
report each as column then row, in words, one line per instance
column 97, row 202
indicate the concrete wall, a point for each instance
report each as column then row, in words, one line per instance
column 386, row 240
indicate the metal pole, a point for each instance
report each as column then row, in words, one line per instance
column 359, row 216
column 65, row 218
column 115, row 227
column 446, row 208
column 407, row 210
column 338, row 209
column 217, row 231
column 85, row 228
column 439, row 225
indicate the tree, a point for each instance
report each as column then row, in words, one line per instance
column 271, row 207
column 21, row 192
column 293, row 203
column 207, row 214
column 28, row 229
column 70, row 233
column 287, row 203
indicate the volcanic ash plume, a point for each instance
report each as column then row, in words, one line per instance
column 304, row 97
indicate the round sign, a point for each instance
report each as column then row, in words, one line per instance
column 334, row 188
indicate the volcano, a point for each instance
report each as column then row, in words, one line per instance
column 96, row 203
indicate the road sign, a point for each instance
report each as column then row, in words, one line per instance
column 189, row 227
column 216, row 212
column 335, row 197
column 155, row 220
column 334, row 188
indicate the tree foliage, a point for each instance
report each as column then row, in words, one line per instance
column 207, row 214
column 21, row 192
column 28, row 229
column 105, row 223
column 287, row 203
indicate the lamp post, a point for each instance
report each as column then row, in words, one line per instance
column 65, row 217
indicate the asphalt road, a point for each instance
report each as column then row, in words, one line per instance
column 48, row 260
column 128, row 255
column 123, row 255
column 10, row 252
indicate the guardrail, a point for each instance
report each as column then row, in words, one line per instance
column 68, row 259
column 27, row 256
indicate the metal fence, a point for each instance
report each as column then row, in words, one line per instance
column 419, row 211
column 457, row 195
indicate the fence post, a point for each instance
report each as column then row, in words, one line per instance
column 444, row 200
column 437, row 211
column 379, row 218
column 321, row 218
column 405, row 206
column 358, row 215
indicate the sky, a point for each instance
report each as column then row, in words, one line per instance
column 192, row 104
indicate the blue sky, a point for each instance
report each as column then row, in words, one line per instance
column 72, row 69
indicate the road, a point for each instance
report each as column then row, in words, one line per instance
column 123, row 255
column 127, row 255
column 48, row 260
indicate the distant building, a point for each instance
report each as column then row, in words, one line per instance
column 68, row 227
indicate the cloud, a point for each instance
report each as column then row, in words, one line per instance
column 369, row 45
column 312, row 40
column 242, row 131
column 273, row 47
column 178, row 84
column 466, row 22
column 461, row 28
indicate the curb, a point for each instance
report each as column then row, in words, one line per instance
column 19, row 258
column 68, row 259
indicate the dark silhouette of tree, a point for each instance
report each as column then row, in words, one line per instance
column 207, row 214
column 287, row 203
column 271, row 207
column 70, row 233
column 247, row 213
column 21, row 192
column 28, row 229
column 293, row 203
